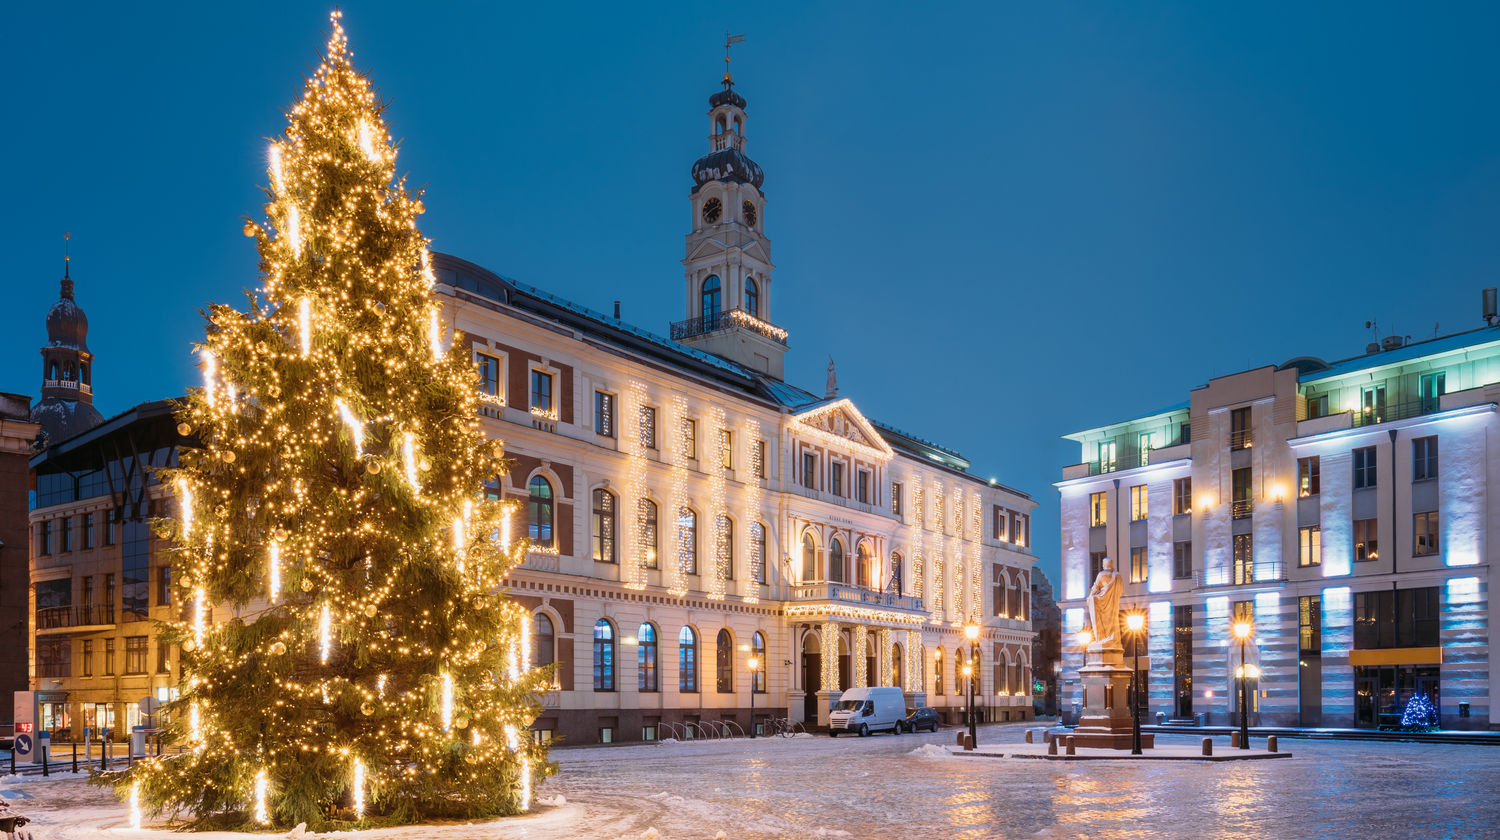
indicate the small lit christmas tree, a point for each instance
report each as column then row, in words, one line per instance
column 1420, row 714
column 347, row 654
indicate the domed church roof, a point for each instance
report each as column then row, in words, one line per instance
column 67, row 326
column 727, row 165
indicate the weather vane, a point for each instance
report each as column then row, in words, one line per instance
column 729, row 41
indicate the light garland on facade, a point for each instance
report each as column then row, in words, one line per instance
column 885, row 658
column 836, row 610
column 755, row 554
column 858, row 645
column 913, row 660
column 637, row 546
column 830, row 649
column 719, row 570
column 682, row 541
column 807, row 425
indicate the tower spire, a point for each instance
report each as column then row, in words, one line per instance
column 729, row 41
column 67, row 278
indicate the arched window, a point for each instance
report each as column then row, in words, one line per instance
column 757, row 552
column 863, row 569
column 724, row 662
column 687, row 660
column 898, row 676
column 937, row 671
column 83, row 372
column 836, row 562
column 976, row 660
column 724, row 552
column 687, row 541
column 958, row 670
column 752, row 297
column 712, row 294
column 543, row 641
column 647, row 659
column 604, row 527
column 539, row 512
column 649, row 543
column 758, row 650
column 809, row 559
column 604, row 656
column 896, row 581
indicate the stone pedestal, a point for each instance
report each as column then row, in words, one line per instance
column 1105, row 720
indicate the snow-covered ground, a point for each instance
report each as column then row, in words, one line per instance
column 902, row 788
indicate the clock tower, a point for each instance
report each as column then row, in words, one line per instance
column 727, row 282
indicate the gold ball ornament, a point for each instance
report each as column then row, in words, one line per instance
column 189, row 645
column 184, row 429
column 370, row 611
column 461, row 722
column 372, row 466
column 367, row 709
column 424, row 465
column 227, row 456
column 251, row 229
column 278, row 649
column 418, row 207
column 275, row 390
column 281, row 534
column 307, row 584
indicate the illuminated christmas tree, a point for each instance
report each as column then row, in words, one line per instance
column 1419, row 714
column 347, row 652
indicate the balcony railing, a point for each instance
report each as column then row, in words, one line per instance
column 1242, row 439
column 1396, row 411
column 1241, row 508
column 70, row 384
column 1240, row 575
column 851, row 594
column 51, row 618
column 693, row 327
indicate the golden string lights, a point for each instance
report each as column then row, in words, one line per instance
column 347, row 592
column 718, row 450
column 754, row 530
column 641, row 548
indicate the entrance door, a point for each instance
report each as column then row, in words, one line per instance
column 1366, row 699
column 812, row 682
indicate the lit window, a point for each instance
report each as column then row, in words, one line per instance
column 1138, row 501
column 1310, row 546
column 541, row 391
column 1098, row 509
column 539, row 512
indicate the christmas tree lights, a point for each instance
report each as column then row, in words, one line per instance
column 335, row 509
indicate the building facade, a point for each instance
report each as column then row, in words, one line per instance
column 1344, row 509
column 17, row 437
column 688, row 509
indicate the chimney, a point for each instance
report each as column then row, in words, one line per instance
column 1489, row 306
column 617, row 310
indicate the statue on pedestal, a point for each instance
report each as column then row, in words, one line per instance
column 1104, row 608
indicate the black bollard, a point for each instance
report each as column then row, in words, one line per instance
column 45, row 771
column 103, row 752
column 75, row 756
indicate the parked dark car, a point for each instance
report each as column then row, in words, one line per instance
column 923, row 718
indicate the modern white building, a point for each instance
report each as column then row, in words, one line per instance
column 1344, row 508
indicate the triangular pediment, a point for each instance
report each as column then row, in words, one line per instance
column 839, row 423
column 713, row 246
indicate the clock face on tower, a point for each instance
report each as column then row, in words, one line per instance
column 748, row 211
column 712, row 209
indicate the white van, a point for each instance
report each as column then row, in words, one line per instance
column 866, row 710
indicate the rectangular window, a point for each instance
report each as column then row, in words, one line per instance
column 1310, row 546
column 1400, row 619
column 1000, row 526
column 1096, row 565
column 1182, row 559
column 541, row 392
column 1424, row 527
column 1106, row 456
column 1310, row 625
column 1182, row 496
column 690, row 435
column 54, row 656
column 164, row 586
column 1244, row 611
column 111, row 526
column 604, row 527
column 726, row 448
column 1366, row 536
column 1424, row 458
column 648, row 427
column 809, row 470
column 86, row 531
column 862, row 486
column 896, row 498
column 163, row 658
column 1430, row 390
column 1372, row 404
column 135, row 572
column 1317, row 406
column 88, row 658
column 1242, row 498
column 836, row 477
column 1307, row 477
column 1138, row 564
column 604, row 414
column 1098, row 509
column 1022, row 530
column 67, row 534
column 761, row 466
column 1242, row 551
column 1240, row 435
column 1138, row 503
column 135, row 654
column 489, row 374
column 109, row 657
column 1364, row 467
column 1144, row 445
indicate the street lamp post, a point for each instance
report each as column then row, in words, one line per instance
column 754, row 666
column 1135, row 623
column 1242, row 631
column 971, row 632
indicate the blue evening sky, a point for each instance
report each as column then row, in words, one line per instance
column 1005, row 223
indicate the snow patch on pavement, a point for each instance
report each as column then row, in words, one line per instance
column 930, row 751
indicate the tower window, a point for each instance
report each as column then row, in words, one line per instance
column 752, row 297
column 711, row 298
